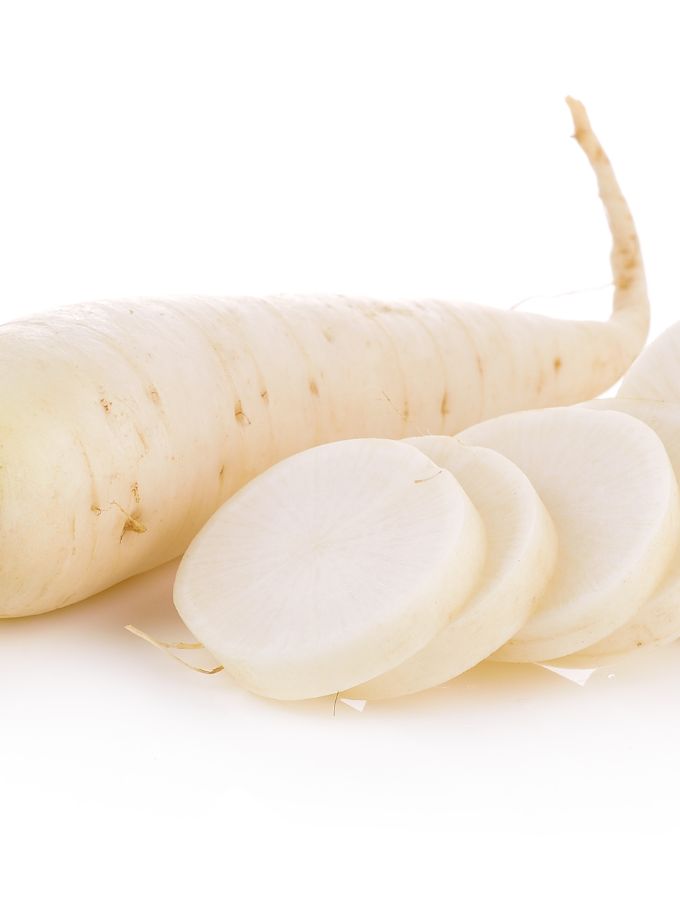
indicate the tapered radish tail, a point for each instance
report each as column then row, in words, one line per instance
column 631, row 302
column 551, row 362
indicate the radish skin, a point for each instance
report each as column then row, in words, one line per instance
column 125, row 425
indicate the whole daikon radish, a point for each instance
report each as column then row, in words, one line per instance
column 125, row 425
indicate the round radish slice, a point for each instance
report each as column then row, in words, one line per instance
column 331, row 567
column 521, row 556
column 655, row 374
column 609, row 487
column 658, row 620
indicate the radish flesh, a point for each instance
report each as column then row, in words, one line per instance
column 610, row 489
column 521, row 557
column 331, row 567
column 658, row 620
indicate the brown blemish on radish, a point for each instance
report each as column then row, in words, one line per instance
column 142, row 439
column 97, row 510
column 93, row 497
column 132, row 524
column 480, row 364
column 221, row 473
column 313, row 388
column 444, row 407
column 264, row 395
column 134, row 489
column 239, row 415
column 557, row 364
column 105, row 405
column 155, row 396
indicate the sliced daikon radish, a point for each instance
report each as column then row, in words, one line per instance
column 658, row 620
column 609, row 487
column 655, row 374
column 521, row 556
column 331, row 567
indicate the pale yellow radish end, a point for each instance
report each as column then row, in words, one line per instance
column 331, row 567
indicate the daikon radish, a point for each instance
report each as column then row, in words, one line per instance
column 521, row 557
column 655, row 375
column 125, row 425
column 610, row 489
column 331, row 567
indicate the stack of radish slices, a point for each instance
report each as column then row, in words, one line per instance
column 379, row 568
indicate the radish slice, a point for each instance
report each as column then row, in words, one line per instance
column 658, row 620
column 655, row 374
column 331, row 567
column 521, row 556
column 610, row 489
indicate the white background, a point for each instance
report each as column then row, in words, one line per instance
column 389, row 149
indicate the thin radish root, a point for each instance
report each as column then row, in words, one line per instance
column 576, row 292
column 178, row 645
column 403, row 415
column 630, row 288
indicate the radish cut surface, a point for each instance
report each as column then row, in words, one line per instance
column 331, row 567
column 655, row 374
column 521, row 556
column 658, row 620
column 609, row 487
